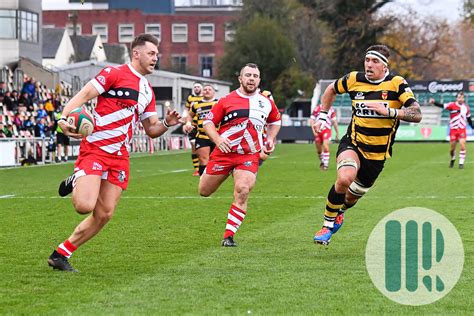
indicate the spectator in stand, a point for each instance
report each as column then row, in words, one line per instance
column 41, row 128
column 41, row 112
column 10, row 102
column 18, row 121
column 3, row 90
column 29, row 124
column 9, row 130
column 49, row 107
column 27, row 102
column 29, row 86
column 3, row 130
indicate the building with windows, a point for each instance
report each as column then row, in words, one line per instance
column 192, row 33
column 20, row 34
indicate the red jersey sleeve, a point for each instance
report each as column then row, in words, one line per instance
column 449, row 106
column 216, row 115
column 274, row 117
column 105, row 79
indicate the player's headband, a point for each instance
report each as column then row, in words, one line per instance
column 379, row 56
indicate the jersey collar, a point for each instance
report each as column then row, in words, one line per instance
column 136, row 73
column 380, row 80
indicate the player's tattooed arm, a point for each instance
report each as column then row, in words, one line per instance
column 411, row 113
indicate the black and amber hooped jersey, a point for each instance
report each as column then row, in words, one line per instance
column 199, row 110
column 374, row 134
column 189, row 102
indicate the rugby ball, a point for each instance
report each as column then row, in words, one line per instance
column 83, row 120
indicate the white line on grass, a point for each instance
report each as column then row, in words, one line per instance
column 6, row 196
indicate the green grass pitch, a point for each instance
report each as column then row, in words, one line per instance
column 161, row 252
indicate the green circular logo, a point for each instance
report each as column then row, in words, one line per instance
column 414, row 256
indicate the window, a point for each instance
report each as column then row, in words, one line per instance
column 179, row 63
column 126, row 33
column 70, row 29
column 28, row 26
column 229, row 32
column 8, row 24
column 206, row 62
column 179, row 33
column 206, row 32
column 154, row 29
column 102, row 30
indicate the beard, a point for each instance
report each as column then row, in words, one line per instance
column 249, row 90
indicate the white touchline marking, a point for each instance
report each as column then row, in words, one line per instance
column 6, row 196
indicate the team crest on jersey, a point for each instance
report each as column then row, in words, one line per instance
column 121, row 176
column 101, row 79
column 108, row 70
column 384, row 95
column 209, row 116
column 260, row 104
column 359, row 96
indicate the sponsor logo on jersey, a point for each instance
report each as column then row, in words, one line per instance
column 101, row 79
column 121, row 176
column 217, row 168
column 361, row 110
column 359, row 96
column 96, row 166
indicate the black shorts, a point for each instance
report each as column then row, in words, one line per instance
column 200, row 143
column 369, row 169
column 192, row 135
column 62, row 139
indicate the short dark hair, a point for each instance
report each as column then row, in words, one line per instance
column 382, row 49
column 141, row 39
column 459, row 93
column 251, row 65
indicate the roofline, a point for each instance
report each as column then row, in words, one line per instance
column 164, row 73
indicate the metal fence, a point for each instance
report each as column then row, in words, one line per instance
column 36, row 150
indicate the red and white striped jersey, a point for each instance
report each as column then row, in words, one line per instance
column 242, row 119
column 458, row 114
column 331, row 116
column 125, row 98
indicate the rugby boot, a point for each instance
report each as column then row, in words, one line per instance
column 338, row 222
column 59, row 262
column 228, row 242
column 66, row 187
column 323, row 237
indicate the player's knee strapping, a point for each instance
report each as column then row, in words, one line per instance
column 333, row 205
column 347, row 163
column 357, row 189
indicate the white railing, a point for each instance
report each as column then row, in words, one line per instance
column 36, row 150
